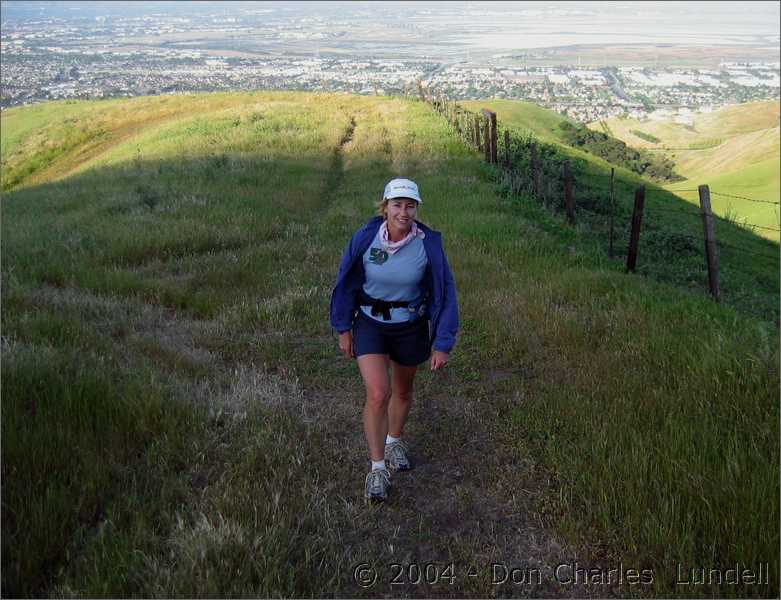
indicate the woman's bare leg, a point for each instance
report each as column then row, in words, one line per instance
column 374, row 370
column 402, row 379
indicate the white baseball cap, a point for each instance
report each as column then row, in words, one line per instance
column 402, row 188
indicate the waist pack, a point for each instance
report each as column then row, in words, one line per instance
column 383, row 307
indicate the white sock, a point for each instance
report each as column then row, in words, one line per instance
column 378, row 464
column 389, row 439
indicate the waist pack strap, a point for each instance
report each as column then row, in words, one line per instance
column 381, row 307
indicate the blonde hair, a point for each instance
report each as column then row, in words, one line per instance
column 381, row 207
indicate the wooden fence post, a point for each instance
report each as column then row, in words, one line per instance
column 487, row 142
column 612, row 212
column 478, row 139
column 634, row 236
column 491, row 137
column 494, row 140
column 567, row 176
column 507, row 160
column 535, row 171
column 710, row 242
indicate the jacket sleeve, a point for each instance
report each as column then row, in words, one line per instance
column 447, row 327
column 343, row 297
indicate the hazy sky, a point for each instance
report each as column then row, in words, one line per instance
column 754, row 17
column 477, row 24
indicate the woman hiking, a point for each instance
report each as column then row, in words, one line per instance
column 394, row 301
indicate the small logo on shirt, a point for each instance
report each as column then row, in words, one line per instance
column 377, row 256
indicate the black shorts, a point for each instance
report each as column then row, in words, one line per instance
column 408, row 344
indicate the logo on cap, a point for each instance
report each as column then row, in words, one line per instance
column 402, row 188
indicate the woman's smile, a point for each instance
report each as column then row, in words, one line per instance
column 401, row 212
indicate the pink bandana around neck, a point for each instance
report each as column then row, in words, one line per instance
column 392, row 247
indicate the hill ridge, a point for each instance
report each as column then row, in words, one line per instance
column 742, row 163
column 169, row 312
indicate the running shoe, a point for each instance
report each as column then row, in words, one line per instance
column 397, row 456
column 377, row 484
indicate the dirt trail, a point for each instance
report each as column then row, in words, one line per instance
column 468, row 502
column 467, row 508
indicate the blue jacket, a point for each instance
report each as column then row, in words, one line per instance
column 437, row 283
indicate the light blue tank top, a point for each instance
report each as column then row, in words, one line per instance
column 394, row 277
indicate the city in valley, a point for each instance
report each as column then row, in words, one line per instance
column 95, row 50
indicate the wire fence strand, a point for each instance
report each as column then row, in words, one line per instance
column 761, row 254
column 759, row 226
column 682, row 211
column 742, row 198
column 541, row 177
column 731, row 222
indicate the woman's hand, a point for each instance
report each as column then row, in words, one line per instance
column 346, row 344
column 439, row 360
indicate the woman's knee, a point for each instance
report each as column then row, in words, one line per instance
column 404, row 396
column 377, row 397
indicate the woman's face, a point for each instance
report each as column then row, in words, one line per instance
column 401, row 212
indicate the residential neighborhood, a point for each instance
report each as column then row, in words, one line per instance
column 61, row 57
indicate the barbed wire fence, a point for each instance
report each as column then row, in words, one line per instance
column 525, row 166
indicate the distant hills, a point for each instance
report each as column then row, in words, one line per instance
column 734, row 150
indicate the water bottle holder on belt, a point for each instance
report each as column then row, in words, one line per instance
column 381, row 307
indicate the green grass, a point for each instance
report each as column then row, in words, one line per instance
column 22, row 122
column 544, row 124
column 734, row 150
column 671, row 245
column 705, row 144
column 177, row 421
column 642, row 135
column 758, row 181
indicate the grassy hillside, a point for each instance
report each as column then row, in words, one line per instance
column 544, row 124
column 177, row 420
column 734, row 150
column 46, row 142
column 671, row 240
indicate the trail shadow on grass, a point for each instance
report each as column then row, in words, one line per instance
column 196, row 236
column 219, row 224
